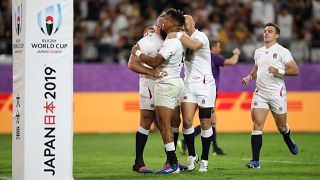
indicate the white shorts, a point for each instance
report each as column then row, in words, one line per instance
column 146, row 93
column 276, row 102
column 168, row 93
column 199, row 93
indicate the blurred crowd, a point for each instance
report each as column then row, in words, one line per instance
column 105, row 30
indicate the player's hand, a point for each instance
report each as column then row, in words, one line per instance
column 148, row 30
column 246, row 80
column 236, row 51
column 135, row 48
column 159, row 73
column 273, row 70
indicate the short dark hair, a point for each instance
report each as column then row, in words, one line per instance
column 214, row 43
column 176, row 15
column 275, row 26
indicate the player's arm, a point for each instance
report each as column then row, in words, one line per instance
column 187, row 41
column 290, row 70
column 135, row 66
column 151, row 61
column 251, row 76
column 234, row 58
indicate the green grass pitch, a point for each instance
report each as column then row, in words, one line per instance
column 110, row 156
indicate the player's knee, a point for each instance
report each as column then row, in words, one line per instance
column 175, row 125
column 146, row 122
column 146, row 125
column 176, row 121
column 205, row 124
column 258, row 125
column 187, row 124
column 282, row 128
column 205, row 113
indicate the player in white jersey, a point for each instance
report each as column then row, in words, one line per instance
column 167, row 89
column 150, row 45
column 272, row 63
column 199, row 91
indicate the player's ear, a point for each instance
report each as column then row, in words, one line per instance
column 277, row 36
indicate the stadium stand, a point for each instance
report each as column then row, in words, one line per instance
column 105, row 30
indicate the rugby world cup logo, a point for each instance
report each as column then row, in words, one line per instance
column 18, row 19
column 50, row 20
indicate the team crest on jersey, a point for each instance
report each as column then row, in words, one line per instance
column 185, row 97
column 280, row 108
column 255, row 103
column 274, row 55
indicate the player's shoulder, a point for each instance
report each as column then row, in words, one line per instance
column 150, row 38
column 172, row 41
column 154, row 36
column 281, row 48
column 201, row 34
column 260, row 49
column 143, row 40
column 282, row 51
column 217, row 57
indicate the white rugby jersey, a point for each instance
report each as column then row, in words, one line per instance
column 173, row 52
column 276, row 56
column 198, row 63
column 150, row 45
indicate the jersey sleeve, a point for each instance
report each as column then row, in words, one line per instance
column 144, row 44
column 166, row 50
column 202, row 38
column 286, row 56
column 255, row 57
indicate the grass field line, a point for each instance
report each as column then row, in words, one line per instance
column 5, row 178
column 285, row 162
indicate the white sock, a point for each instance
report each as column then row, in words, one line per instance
column 188, row 131
column 206, row 133
column 143, row 130
column 170, row 147
column 175, row 130
column 256, row 132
